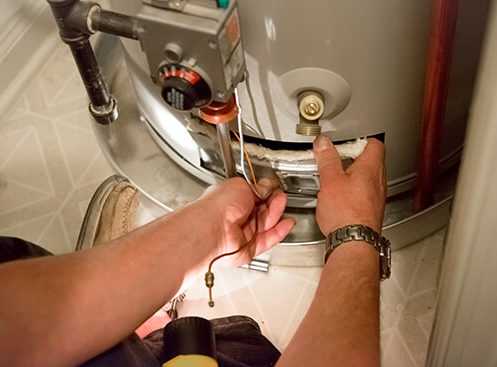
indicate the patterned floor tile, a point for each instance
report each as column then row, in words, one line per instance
column 405, row 263
column 391, row 305
column 50, row 163
column 429, row 267
column 30, row 230
column 396, row 353
column 414, row 338
column 426, row 322
column 294, row 320
column 29, row 155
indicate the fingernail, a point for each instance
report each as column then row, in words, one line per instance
column 264, row 189
column 292, row 219
column 322, row 142
column 263, row 192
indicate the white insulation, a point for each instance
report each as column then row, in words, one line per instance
column 350, row 150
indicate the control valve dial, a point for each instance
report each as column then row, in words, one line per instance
column 182, row 88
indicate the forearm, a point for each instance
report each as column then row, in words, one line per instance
column 341, row 327
column 76, row 306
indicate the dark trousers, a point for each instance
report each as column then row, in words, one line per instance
column 239, row 340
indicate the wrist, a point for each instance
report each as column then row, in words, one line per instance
column 359, row 259
column 200, row 229
column 356, row 248
column 359, row 235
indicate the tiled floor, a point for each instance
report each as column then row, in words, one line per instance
column 50, row 164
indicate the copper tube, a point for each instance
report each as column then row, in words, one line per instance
column 248, row 159
column 444, row 21
column 220, row 113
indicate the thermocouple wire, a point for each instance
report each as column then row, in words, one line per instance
column 243, row 155
column 249, row 161
column 209, row 276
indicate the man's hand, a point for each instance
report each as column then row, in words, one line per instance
column 354, row 196
column 342, row 326
column 234, row 206
column 126, row 281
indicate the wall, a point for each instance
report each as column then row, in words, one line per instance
column 465, row 330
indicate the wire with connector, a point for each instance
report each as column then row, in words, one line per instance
column 209, row 276
column 251, row 181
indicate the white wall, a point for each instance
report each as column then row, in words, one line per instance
column 465, row 330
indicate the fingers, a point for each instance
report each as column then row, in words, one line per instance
column 272, row 212
column 266, row 186
column 268, row 239
column 268, row 214
column 372, row 160
column 272, row 229
column 328, row 160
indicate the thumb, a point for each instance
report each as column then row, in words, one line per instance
column 328, row 160
column 266, row 186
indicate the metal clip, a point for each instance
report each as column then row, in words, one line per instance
column 178, row 5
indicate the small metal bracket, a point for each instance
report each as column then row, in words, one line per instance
column 177, row 5
column 299, row 182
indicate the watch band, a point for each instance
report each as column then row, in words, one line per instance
column 361, row 233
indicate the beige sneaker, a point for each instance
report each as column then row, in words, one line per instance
column 110, row 214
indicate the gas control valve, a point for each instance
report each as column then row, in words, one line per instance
column 193, row 48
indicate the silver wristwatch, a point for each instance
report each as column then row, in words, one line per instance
column 363, row 234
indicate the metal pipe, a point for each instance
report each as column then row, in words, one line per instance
column 69, row 15
column 84, row 57
column 114, row 23
column 444, row 21
column 224, row 140
column 102, row 106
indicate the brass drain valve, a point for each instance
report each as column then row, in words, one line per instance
column 311, row 109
